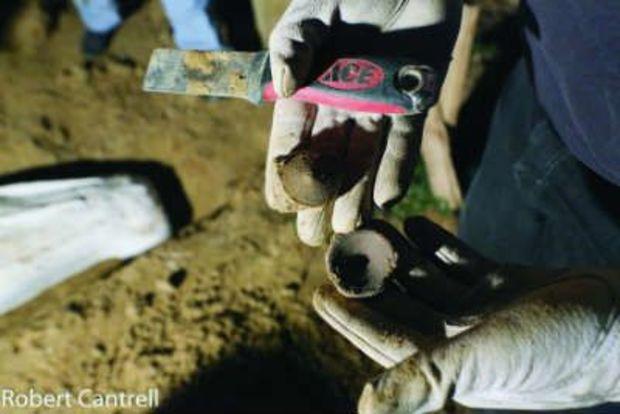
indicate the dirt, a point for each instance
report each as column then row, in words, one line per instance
column 219, row 317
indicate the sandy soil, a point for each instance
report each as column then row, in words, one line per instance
column 217, row 318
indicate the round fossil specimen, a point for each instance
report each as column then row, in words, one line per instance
column 359, row 263
column 310, row 177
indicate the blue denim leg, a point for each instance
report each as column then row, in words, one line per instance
column 533, row 203
column 100, row 16
column 192, row 26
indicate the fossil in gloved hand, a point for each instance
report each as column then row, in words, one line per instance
column 369, row 158
column 451, row 324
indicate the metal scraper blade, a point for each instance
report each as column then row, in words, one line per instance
column 219, row 74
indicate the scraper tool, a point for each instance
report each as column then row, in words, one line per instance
column 365, row 84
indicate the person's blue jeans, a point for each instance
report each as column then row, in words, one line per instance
column 533, row 203
column 191, row 24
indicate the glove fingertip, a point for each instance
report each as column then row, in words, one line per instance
column 345, row 221
column 288, row 84
column 392, row 183
column 278, row 202
column 367, row 403
column 311, row 226
column 284, row 82
column 386, row 196
column 275, row 196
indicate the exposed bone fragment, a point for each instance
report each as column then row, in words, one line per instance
column 50, row 230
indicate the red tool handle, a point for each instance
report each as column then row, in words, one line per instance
column 369, row 84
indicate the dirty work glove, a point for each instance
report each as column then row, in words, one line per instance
column 512, row 338
column 376, row 153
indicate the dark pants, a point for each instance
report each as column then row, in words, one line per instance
column 532, row 202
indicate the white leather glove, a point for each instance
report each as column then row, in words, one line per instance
column 514, row 338
column 377, row 152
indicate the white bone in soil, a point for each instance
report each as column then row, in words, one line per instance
column 50, row 230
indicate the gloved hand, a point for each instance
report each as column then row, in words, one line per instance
column 376, row 153
column 513, row 337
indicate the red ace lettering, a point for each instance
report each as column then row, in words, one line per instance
column 352, row 74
